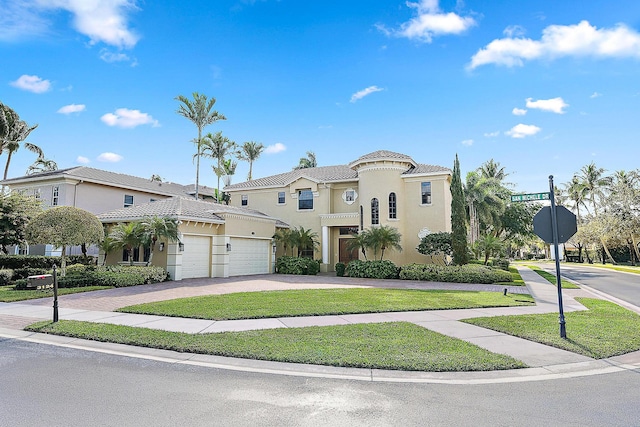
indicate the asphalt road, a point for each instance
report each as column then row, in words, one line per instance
column 53, row 386
column 625, row 286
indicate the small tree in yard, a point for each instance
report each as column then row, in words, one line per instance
column 383, row 238
column 128, row 236
column 436, row 244
column 16, row 210
column 65, row 226
column 489, row 245
column 155, row 228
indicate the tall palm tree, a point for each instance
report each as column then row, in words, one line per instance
column 127, row 236
column 250, row 151
column 14, row 131
column 227, row 170
column 155, row 228
column 577, row 193
column 199, row 111
column 492, row 169
column 483, row 202
column 218, row 147
column 41, row 165
column 595, row 183
column 307, row 162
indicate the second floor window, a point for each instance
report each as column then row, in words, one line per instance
column 305, row 200
column 281, row 197
column 245, row 200
column 55, row 196
column 375, row 212
column 128, row 200
column 393, row 213
column 426, row 193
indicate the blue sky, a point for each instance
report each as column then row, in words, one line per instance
column 543, row 87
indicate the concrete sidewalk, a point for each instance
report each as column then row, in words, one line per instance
column 446, row 322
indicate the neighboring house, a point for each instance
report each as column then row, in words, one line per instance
column 379, row 188
column 96, row 191
column 216, row 240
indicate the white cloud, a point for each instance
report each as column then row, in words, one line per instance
column 430, row 21
column 364, row 92
column 514, row 31
column 521, row 131
column 467, row 142
column 72, row 108
column 82, row 160
column 32, row 83
column 125, row 118
column 109, row 157
column 19, row 20
column 595, row 95
column 101, row 21
column 492, row 134
column 275, row 148
column 108, row 56
column 581, row 40
column 554, row 105
column 519, row 112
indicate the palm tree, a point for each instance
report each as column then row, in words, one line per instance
column 107, row 245
column 12, row 132
column 384, row 237
column 360, row 241
column 492, row 169
column 155, row 228
column 41, row 165
column 127, row 236
column 250, row 151
column 483, row 202
column 595, row 183
column 199, row 111
column 489, row 245
column 284, row 236
column 307, row 162
column 304, row 240
column 218, row 147
column 155, row 178
column 577, row 193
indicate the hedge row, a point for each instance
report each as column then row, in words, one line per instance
column 296, row 265
column 119, row 276
column 15, row 262
column 470, row 273
column 372, row 269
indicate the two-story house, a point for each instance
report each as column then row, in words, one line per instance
column 379, row 188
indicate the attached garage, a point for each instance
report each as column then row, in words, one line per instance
column 249, row 256
column 196, row 258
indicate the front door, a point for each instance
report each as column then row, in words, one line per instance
column 346, row 255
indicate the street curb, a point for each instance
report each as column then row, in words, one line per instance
column 628, row 362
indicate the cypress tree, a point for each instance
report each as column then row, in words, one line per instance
column 458, row 218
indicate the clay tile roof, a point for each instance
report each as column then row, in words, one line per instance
column 319, row 174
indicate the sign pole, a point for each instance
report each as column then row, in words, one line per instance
column 55, row 294
column 554, row 226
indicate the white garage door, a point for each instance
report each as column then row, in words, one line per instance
column 249, row 256
column 196, row 258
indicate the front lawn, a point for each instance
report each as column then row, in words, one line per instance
column 318, row 302
column 605, row 330
column 8, row 294
column 551, row 278
column 395, row 345
column 516, row 279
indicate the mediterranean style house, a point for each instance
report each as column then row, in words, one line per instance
column 379, row 188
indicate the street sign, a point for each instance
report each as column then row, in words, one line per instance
column 567, row 224
column 529, row 197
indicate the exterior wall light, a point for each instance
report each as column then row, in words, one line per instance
column 181, row 247
column 228, row 247
column 161, row 247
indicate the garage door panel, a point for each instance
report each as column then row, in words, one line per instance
column 249, row 256
column 196, row 258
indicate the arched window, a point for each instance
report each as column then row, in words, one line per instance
column 393, row 212
column 375, row 212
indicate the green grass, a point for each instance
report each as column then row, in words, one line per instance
column 8, row 294
column 254, row 305
column 551, row 278
column 396, row 345
column 605, row 330
column 516, row 279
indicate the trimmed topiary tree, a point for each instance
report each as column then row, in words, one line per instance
column 64, row 226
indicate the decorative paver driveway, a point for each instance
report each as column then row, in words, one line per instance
column 111, row 299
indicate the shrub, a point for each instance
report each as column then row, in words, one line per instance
column 5, row 276
column 340, row 268
column 20, row 284
column 23, row 273
column 372, row 269
column 296, row 265
column 121, row 276
column 501, row 263
column 76, row 269
column 38, row 261
column 470, row 273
